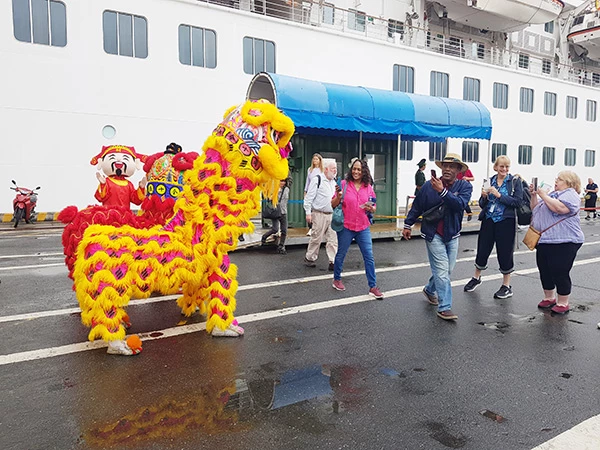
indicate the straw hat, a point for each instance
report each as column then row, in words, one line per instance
column 452, row 158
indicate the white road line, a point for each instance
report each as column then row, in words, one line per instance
column 36, row 255
column 584, row 436
column 34, row 266
column 254, row 317
column 245, row 287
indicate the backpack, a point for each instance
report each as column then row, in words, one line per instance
column 524, row 210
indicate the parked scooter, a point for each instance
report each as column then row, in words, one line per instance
column 24, row 203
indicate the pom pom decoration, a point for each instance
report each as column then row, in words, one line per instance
column 134, row 343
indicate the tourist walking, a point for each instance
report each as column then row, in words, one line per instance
column 318, row 209
column 591, row 196
column 498, row 204
column 316, row 168
column 282, row 204
column 358, row 202
column 442, row 203
column 556, row 215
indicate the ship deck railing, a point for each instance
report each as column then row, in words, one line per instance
column 410, row 33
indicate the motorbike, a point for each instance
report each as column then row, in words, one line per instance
column 24, row 203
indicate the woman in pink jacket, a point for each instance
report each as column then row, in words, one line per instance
column 359, row 203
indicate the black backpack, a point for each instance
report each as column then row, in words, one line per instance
column 524, row 210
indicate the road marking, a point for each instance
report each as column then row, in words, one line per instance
column 36, row 255
column 245, row 287
column 35, row 266
column 585, row 435
column 248, row 318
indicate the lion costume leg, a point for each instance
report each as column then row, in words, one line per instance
column 221, row 290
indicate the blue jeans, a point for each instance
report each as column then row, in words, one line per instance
column 442, row 259
column 365, row 244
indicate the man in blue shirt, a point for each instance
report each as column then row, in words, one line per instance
column 442, row 203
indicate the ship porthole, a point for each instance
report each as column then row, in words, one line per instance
column 109, row 131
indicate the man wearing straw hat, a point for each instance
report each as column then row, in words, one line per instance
column 441, row 202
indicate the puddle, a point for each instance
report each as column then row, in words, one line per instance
column 440, row 433
column 392, row 373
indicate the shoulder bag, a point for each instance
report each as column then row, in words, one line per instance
column 270, row 211
column 433, row 215
column 337, row 219
column 532, row 237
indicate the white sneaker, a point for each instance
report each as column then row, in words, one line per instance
column 309, row 232
column 231, row 331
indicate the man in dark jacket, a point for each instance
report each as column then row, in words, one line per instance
column 441, row 228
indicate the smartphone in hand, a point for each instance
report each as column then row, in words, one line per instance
column 534, row 181
column 433, row 174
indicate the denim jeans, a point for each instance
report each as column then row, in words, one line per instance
column 365, row 244
column 442, row 259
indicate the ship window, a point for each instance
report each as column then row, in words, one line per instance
column 590, row 114
column 570, row 156
column 404, row 79
column 590, row 158
column 471, row 89
column 259, row 56
column 328, row 13
column 523, row 61
column 437, row 151
column 571, row 107
column 406, row 150
column 550, row 103
column 549, row 27
column 438, row 86
column 125, row 34
column 546, row 66
column 525, row 154
column 197, row 47
column 500, row 95
column 40, row 21
column 395, row 27
column 356, row 20
column 477, row 50
column 548, row 156
column 470, row 151
column 578, row 20
column 526, row 104
column 595, row 78
column 498, row 150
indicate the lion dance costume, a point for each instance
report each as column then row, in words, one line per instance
column 246, row 154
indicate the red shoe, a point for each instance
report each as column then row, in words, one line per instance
column 560, row 309
column 547, row 304
column 338, row 285
column 375, row 292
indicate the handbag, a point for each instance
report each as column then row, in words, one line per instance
column 271, row 211
column 337, row 218
column 532, row 237
column 433, row 215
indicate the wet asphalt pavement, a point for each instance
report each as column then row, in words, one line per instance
column 357, row 374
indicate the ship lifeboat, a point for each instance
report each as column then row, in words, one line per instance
column 505, row 15
column 585, row 32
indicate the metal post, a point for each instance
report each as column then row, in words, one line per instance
column 489, row 159
column 360, row 145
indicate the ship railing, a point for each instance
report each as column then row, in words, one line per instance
column 411, row 34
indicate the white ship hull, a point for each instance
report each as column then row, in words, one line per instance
column 586, row 34
column 56, row 101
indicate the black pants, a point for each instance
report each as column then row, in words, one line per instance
column 275, row 228
column 555, row 262
column 468, row 209
column 503, row 235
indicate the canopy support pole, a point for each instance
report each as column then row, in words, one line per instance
column 360, row 145
column 489, row 159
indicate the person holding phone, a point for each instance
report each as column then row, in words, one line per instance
column 442, row 203
column 499, row 200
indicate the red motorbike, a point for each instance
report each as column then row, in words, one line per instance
column 24, row 203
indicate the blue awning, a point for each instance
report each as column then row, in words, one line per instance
column 338, row 109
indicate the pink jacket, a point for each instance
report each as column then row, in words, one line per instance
column 355, row 218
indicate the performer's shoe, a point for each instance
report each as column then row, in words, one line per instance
column 121, row 348
column 231, row 331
